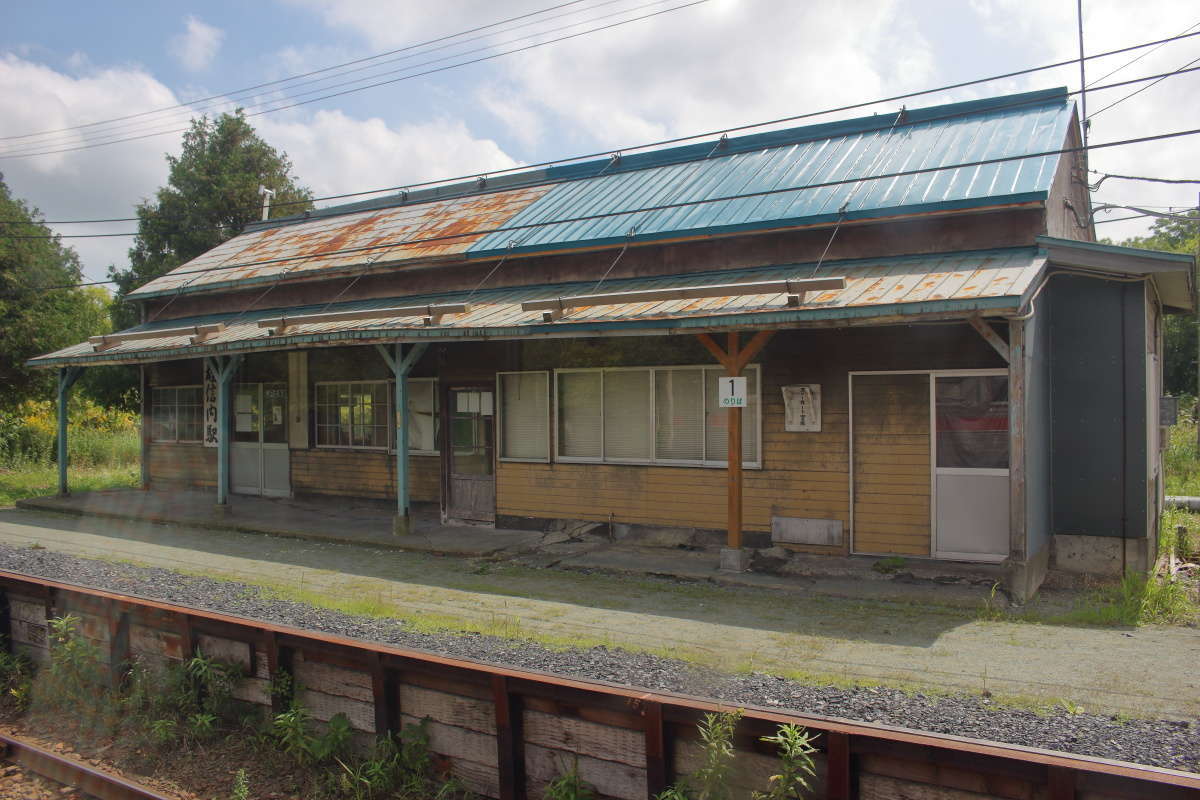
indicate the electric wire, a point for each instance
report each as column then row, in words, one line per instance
column 671, row 206
column 690, row 137
column 1133, row 61
column 1182, row 69
column 432, row 71
column 181, row 119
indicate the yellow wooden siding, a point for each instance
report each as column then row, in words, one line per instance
column 804, row 475
column 182, row 464
column 891, row 464
column 363, row 473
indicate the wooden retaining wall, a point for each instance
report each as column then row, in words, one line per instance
column 506, row 733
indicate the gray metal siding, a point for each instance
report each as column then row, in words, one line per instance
column 1039, row 506
column 1098, row 407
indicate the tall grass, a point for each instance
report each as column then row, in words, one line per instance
column 96, row 436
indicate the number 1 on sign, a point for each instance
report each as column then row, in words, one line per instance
column 732, row 393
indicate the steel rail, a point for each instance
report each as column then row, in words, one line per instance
column 842, row 736
column 73, row 773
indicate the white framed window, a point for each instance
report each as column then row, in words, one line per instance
column 353, row 414
column 651, row 415
column 423, row 421
column 524, row 423
column 176, row 413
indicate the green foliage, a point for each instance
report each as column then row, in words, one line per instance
column 96, row 436
column 37, row 319
column 716, row 737
column 16, row 678
column 569, row 786
column 796, row 764
column 397, row 767
column 1179, row 331
column 211, row 193
column 889, row 565
column 1138, row 600
column 70, row 682
column 241, row 786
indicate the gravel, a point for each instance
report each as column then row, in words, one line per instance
column 1163, row 743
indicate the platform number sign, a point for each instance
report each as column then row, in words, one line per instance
column 731, row 392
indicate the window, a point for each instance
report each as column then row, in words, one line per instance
column 524, row 415
column 423, row 427
column 359, row 414
column 657, row 415
column 176, row 413
column 353, row 414
column 972, row 421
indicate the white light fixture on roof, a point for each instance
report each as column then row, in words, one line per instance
column 795, row 290
column 431, row 314
column 198, row 334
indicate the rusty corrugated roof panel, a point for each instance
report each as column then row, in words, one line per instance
column 801, row 176
column 330, row 243
column 913, row 286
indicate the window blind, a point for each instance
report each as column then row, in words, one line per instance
column 627, row 421
column 579, row 414
column 524, row 416
column 679, row 414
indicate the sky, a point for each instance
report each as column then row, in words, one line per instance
column 692, row 67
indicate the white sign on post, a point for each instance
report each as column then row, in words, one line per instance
column 731, row 392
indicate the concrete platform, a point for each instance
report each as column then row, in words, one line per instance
column 347, row 520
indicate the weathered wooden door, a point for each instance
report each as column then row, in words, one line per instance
column 471, row 474
column 260, row 458
column 890, row 417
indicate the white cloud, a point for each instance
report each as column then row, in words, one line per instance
column 197, row 46
column 331, row 151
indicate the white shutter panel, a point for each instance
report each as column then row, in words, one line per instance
column 579, row 417
column 679, row 414
column 627, row 434
column 525, row 416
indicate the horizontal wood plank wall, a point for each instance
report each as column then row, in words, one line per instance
column 363, row 473
column 804, row 474
column 183, row 464
column 891, row 464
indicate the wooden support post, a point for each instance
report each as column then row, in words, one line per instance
column 5, row 623
column 735, row 358
column 144, row 390
column 279, row 662
column 510, row 740
column 839, row 779
column 1060, row 783
column 733, row 369
column 66, row 379
column 385, row 697
column 657, row 769
column 990, row 336
column 401, row 365
column 1018, row 548
column 118, row 645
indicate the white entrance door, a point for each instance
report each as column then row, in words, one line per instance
column 260, row 460
column 971, row 466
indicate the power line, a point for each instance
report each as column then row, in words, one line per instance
column 673, row 205
column 119, row 130
column 793, row 118
column 1133, row 61
column 677, row 140
column 1144, row 88
column 265, row 84
column 1106, row 175
column 897, row 123
column 382, row 83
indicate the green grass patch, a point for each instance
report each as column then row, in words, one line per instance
column 1136, row 600
column 34, row 480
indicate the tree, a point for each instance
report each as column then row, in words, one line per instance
column 35, row 318
column 212, row 191
column 1179, row 330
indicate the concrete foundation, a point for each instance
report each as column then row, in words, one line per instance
column 1102, row 555
column 401, row 525
column 1022, row 578
column 735, row 559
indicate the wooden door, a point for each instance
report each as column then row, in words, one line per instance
column 891, row 464
column 471, row 472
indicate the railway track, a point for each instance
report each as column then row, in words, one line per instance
column 87, row 781
column 634, row 743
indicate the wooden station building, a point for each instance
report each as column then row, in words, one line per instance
column 939, row 360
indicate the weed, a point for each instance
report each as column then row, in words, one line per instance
column 1070, row 706
column 201, row 726
column 676, row 791
column 16, row 677
column 890, row 565
column 292, row 733
column 716, row 737
column 1136, row 600
column 70, row 682
column 163, row 731
column 796, row 764
column 569, row 786
column 241, row 786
